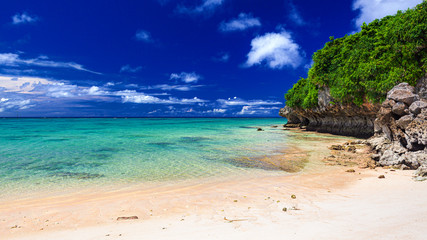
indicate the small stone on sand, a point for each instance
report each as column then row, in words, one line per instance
column 127, row 218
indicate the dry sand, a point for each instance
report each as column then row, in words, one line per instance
column 330, row 203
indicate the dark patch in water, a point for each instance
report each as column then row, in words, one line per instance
column 56, row 140
column 22, row 137
column 162, row 144
column 13, row 138
column 77, row 175
column 136, row 136
column 251, row 163
column 193, row 139
column 107, row 149
column 246, row 127
column 55, row 166
column 101, row 155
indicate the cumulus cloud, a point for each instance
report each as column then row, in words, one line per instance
column 142, row 35
column 206, row 6
column 21, row 84
column 6, row 104
column 23, row 18
column 277, row 50
column 14, row 60
column 167, row 87
column 129, row 69
column 370, row 10
column 241, row 23
column 133, row 96
column 185, row 77
column 252, row 110
column 240, row 102
column 18, row 93
column 30, row 86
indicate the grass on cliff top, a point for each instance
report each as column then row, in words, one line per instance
column 362, row 67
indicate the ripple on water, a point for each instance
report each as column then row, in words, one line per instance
column 193, row 139
column 77, row 175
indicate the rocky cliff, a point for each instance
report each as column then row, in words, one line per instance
column 397, row 127
column 401, row 128
column 349, row 120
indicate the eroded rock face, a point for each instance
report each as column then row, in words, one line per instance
column 399, row 124
column 401, row 127
column 349, row 120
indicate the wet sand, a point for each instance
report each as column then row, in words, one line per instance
column 329, row 203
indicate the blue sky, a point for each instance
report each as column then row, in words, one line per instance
column 215, row 58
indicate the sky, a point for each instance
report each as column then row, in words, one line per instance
column 166, row 58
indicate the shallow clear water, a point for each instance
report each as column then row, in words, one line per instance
column 57, row 153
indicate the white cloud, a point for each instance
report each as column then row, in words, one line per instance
column 129, row 69
column 23, row 18
column 133, row 96
column 251, row 110
column 220, row 110
column 373, row 9
column 6, row 104
column 142, row 35
column 14, row 60
column 243, row 22
column 246, row 111
column 186, row 77
column 240, row 102
column 95, row 91
column 206, row 6
column 277, row 50
column 166, row 87
column 295, row 16
column 21, row 84
column 34, row 86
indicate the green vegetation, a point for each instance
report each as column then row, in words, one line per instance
column 362, row 67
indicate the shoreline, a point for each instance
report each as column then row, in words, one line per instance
column 238, row 208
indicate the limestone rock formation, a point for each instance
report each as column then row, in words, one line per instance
column 335, row 118
column 401, row 128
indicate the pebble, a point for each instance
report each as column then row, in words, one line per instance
column 381, row 176
column 127, row 218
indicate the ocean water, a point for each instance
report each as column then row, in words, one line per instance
column 43, row 154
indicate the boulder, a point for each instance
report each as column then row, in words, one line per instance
column 417, row 106
column 399, row 109
column 404, row 121
column 422, row 171
column 404, row 93
column 417, row 131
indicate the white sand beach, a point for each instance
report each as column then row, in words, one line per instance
column 329, row 203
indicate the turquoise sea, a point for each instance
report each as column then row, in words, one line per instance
column 48, row 154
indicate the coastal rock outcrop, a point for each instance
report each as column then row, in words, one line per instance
column 335, row 118
column 401, row 128
column 397, row 128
